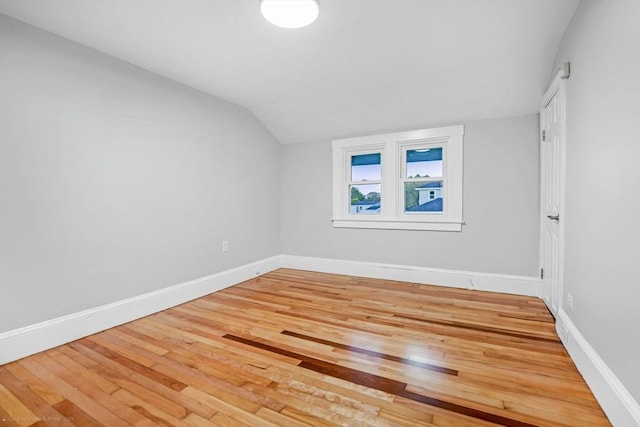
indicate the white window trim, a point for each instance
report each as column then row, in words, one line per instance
column 392, row 147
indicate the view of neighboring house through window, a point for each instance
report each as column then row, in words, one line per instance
column 364, row 188
column 423, row 185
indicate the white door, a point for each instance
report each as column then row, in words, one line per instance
column 552, row 195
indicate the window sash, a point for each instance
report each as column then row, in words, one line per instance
column 404, row 150
column 348, row 181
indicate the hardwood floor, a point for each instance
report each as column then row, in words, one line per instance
column 296, row 348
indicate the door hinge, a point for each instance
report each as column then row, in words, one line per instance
column 541, row 273
column 544, row 135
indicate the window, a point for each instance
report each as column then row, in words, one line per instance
column 406, row 180
column 422, row 179
column 364, row 185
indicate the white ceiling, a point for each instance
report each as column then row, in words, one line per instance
column 364, row 66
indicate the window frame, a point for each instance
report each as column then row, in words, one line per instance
column 393, row 148
column 349, row 178
column 404, row 147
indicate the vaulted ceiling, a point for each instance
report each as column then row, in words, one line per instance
column 364, row 66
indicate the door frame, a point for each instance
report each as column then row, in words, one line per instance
column 557, row 86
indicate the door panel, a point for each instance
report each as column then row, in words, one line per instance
column 552, row 169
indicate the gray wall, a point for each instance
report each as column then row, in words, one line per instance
column 500, row 207
column 602, row 267
column 115, row 182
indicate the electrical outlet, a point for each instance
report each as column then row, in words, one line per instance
column 570, row 301
column 225, row 246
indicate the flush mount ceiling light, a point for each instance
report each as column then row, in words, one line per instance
column 290, row 13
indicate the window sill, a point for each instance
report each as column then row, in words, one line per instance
column 398, row 225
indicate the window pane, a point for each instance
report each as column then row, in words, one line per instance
column 365, row 199
column 366, row 167
column 423, row 163
column 423, row 197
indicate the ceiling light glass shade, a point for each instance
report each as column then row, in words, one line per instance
column 290, row 13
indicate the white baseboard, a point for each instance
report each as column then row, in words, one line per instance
column 616, row 401
column 41, row 336
column 32, row 339
column 520, row 285
column 614, row 398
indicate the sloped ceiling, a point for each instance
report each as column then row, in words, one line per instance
column 364, row 66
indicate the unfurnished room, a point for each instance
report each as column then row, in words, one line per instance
column 320, row 213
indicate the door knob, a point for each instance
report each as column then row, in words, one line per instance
column 554, row 217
